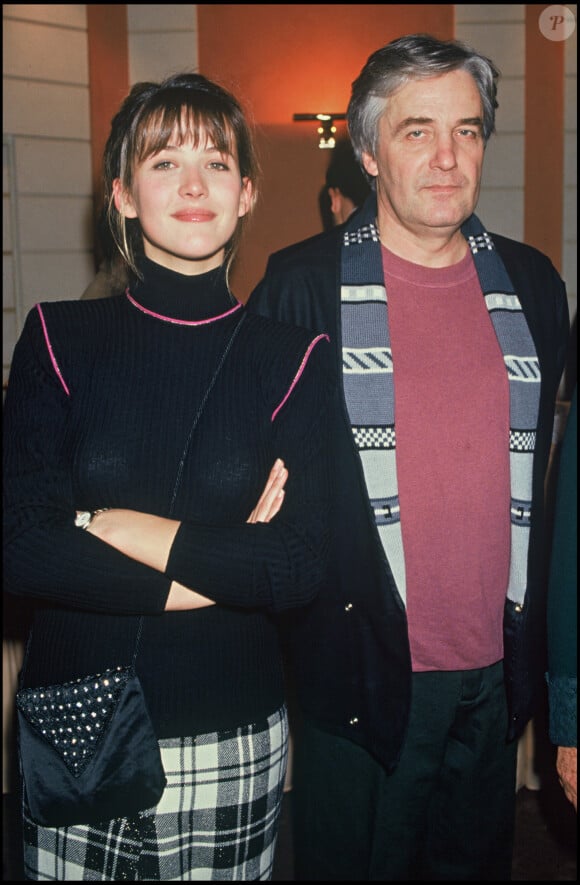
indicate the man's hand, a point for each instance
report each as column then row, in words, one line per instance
column 567, row 772
column 272, row 498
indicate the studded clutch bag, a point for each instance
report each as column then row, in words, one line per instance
column 87, row 749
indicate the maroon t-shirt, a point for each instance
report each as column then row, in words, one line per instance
column 452, row 436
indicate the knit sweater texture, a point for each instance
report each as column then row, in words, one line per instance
column 100, row 405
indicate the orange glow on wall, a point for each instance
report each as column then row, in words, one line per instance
column 286, row 58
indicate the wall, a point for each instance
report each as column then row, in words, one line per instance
column 309, row 55
column 47, row 188
column 162, row 40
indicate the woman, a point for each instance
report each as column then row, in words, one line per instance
column 140, row 431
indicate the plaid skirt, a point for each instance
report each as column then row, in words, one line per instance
column 216, row 820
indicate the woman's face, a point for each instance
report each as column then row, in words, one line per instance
column 188, row 201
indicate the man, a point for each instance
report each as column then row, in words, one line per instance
column 416, row 670
column 346, row 187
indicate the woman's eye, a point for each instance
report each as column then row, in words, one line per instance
column 163, row 164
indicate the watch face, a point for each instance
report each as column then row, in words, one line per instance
column 83, row 519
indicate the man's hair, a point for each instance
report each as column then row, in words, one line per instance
column 344, row 172
column 413, row 57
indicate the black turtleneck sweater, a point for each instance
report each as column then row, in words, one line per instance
column 100, row 404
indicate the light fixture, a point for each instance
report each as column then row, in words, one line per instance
column 326, row 128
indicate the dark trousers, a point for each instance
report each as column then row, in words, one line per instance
column 447, row 812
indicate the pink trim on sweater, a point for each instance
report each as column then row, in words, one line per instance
column 301, row 368
column 50, row 351
column 159, row 316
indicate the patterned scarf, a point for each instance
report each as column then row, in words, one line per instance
column 369, row 389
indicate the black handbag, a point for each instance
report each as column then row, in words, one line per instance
column 88, row 752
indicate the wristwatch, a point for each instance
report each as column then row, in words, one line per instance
column 84, row 518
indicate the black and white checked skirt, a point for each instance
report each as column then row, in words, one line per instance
column 216, row 820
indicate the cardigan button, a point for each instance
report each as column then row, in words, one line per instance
column 348, row 607
column 518, row 608
column 353, row 721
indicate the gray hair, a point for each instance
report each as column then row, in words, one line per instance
column 413, row 57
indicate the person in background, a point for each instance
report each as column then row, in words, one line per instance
column 419, row 664
column 562, row 672
column 345, row 189
column 140, row 432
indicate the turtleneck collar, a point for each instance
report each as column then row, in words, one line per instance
column 175, row 297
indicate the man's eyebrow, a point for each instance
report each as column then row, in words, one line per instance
column 471, row 121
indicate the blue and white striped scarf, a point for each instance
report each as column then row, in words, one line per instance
column 369, row 390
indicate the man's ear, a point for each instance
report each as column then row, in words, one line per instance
column 370, row 164
column 123, row 202
column 247, row 197
column 335, row 200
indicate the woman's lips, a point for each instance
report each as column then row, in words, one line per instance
column 190, row 215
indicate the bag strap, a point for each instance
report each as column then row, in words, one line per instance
column 202, row 406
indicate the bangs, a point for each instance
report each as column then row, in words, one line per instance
column 178, row 123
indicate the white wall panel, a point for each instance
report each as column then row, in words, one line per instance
column 571, row 212
column 162, row 40
column 58, row 167
column 37, row 228
column 52, row 276
column 8, row 299
column 502, row 211
column 41, row 52
column 503, row 166
column 503, row 43
column 570, row 159
column 571, row 103
column 510, row 115
column 6, row 224
column 156, row 56
column 46, row 109
column 478, row 12
column 9, row 336
column 73, row 15
column 161, row 17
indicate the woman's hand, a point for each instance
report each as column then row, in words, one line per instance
column 148, row 538
column 272, row 498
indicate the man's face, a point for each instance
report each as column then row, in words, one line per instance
column 429, row 156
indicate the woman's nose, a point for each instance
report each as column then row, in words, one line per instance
column 193, row 183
